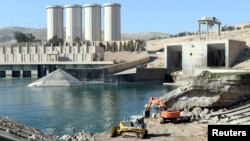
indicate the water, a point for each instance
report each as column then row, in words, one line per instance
column 56, row 110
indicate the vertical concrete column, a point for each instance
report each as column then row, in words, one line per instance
column 47, row 69
column 21, row 73
column 199, row 30
column 34, row 73
column 219, row 30
column 227, row 49
column 60, row 49
column 207, row 30
column 8, row 73
column 165, row 57
column 19, row 48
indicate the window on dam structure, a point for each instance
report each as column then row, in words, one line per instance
column 216, row 55
column 174, row 58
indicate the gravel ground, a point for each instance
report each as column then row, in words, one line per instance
column 161, row 132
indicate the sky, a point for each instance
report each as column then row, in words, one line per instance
column 169, row 16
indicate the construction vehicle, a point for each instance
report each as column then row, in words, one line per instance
column 165, row 114
column 132, row 126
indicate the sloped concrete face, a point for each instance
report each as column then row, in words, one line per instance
column 56, row 78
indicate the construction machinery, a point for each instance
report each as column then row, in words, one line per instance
column 131, row 126
column 165, row 114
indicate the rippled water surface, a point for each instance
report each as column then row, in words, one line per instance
column 57, row 110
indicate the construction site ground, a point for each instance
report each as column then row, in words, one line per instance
column 192, row 131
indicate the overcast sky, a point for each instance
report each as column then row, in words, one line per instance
column 170, row 16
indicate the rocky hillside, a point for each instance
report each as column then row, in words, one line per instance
column 211, row 90
column 242, row 34
column 144, row 35
column 6, row 34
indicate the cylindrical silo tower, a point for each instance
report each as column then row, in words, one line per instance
column 73, row 22
column 92, row 22
column 112, row 21
column 54, row 21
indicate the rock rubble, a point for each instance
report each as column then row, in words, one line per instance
column 210, row 90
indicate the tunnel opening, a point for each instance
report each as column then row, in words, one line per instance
column 41, row 71
column 216, row 55
column 16, row 74
column 2, row 74
column 52, row 68
column 26, row 73
column 174, row 58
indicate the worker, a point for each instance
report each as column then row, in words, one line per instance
column 146, row 113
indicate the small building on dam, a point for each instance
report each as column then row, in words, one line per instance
column 186, row 57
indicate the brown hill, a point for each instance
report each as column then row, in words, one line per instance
column 6, row 34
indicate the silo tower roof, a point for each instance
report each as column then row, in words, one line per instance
column 73, row 6
column 54, row 6
column 112, row 4
column 92, row 5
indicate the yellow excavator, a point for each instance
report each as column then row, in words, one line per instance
column 132, row 126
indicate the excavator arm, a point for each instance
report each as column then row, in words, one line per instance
column 172, row 116
column 158, row 101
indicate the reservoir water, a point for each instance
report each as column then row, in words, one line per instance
column 57, row 110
